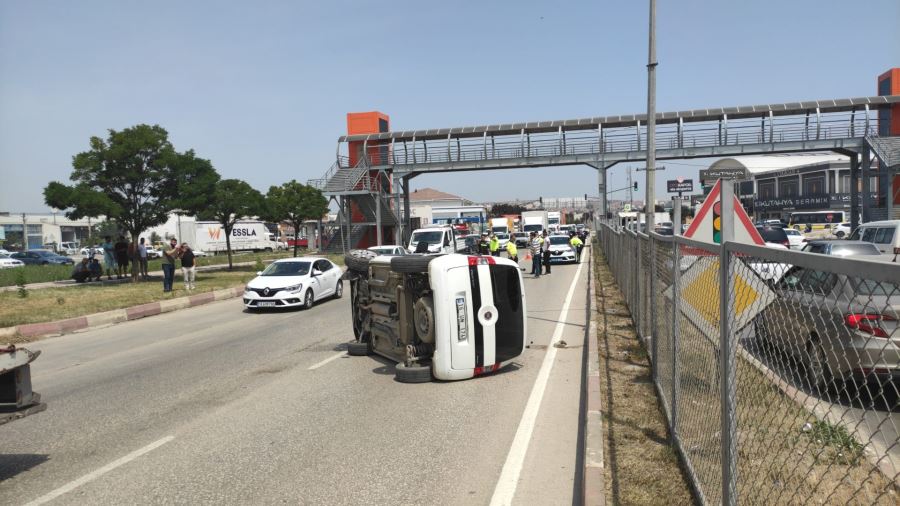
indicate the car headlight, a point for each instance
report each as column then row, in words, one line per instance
column 294, row 288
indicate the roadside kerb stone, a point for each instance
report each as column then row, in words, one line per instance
column 46, row 329
column 594, row 485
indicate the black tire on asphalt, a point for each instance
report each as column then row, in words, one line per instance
column 358, row 349
column 412, row 374
column 309, row 299
column 339, row 289
column 840, row 234
column 411, row 264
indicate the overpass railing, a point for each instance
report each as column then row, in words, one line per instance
column 779, row 380
column 539, row 141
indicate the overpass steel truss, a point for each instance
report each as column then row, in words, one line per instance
column 823, row 125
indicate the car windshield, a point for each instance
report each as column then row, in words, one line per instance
column 502, row 237
column 791, row 231
column 559, row 240
column 287, row 269
column 772, row 234
column 854, row 249
column 870, row 287
column 431, row 236
column 520, row 234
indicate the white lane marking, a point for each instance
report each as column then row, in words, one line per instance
column 329, row 359
column 72, row 485
column 512, row 468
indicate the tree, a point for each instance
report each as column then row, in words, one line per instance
column 501, row 209
column 134, row 177
column 295, row 203
column 231, row 200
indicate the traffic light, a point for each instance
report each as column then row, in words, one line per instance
column 717, row 222
column 635, row 186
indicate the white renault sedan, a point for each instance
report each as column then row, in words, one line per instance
column 292, row 282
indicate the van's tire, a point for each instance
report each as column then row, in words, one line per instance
column 840, row 234
column 411, row 264
column 357, row 260
column 412, row 374
column 358, row 349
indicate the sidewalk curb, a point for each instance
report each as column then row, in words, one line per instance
column 69, row 325
column 594, row 484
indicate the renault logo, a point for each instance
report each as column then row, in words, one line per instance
column 266, row 292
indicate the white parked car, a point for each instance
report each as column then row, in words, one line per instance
column 795, row 238
column 293, row 282
column 560, row 249
column 503, row 239
column 841, row 230
column 389, row 250
column 7, row 263
column 89, row 251
column 200, row 253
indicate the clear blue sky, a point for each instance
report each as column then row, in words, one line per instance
column 262, row 88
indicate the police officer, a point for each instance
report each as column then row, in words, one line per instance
column 483, row 245
column 577, row 245
column 494, row 246
column 512, row 251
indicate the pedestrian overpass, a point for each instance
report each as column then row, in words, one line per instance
column 377, row 180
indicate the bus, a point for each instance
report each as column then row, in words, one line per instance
column 808, row 221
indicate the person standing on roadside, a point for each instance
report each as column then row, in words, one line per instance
column 121, row 249
column 168, row 264
column 484, row 247
column 494, row 246
column 545, row 252
column 577, row 245
column 109, row 256
column 142, row 259
column 536, row 243
column 188, row 269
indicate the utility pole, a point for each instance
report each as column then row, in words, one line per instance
column 649, row 206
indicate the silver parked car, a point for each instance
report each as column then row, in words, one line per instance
column 839, row 327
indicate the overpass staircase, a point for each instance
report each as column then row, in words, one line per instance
column 365, row 190
column 887, row 151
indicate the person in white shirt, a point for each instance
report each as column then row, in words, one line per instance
column 142, row 257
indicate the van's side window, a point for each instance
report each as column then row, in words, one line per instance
column 884, row 236
column 868, row 235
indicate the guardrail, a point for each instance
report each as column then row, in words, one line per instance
column 777, row 370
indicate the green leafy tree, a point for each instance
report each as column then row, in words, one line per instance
column 231, row 200
column 134, row 177
column 295, row 203
column 501, row 209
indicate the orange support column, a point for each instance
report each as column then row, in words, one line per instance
column 378, row 153
column 889, row 119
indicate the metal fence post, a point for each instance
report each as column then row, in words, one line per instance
column 726, row 350
column 676, row 323
column 651, row 326
column 638, row 280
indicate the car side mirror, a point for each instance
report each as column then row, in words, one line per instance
column 259, row 273
column 316, row 272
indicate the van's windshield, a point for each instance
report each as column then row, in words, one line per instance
column 430, row 236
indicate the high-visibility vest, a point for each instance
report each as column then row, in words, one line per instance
column 575, row 242
column 511, row 249
column 495, row 244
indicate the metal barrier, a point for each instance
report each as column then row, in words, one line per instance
column 777, row 370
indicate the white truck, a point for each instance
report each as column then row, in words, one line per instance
column 450, row 317
column 209, row 236
column 501, row 225
column 535, row 221
column 436, row 239
column 553, row 220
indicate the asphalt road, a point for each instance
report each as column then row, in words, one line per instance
column 215, row 405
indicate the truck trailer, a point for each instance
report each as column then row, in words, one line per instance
column 209, row 236
column 535, row 221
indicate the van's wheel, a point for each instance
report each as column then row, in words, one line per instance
column 839, row 234
column 412, row 374
column 358, row 349
column 358, row 260
column 411, row 264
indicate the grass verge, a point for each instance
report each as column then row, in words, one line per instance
column 641, row 467
column 51, row 304
column 46, row 273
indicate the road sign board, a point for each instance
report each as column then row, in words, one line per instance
column 699, row 295
column 707, row 224
column 626, row 208
column 680, row 185
column 723, row 173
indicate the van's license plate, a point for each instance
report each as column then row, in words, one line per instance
column 266, row 303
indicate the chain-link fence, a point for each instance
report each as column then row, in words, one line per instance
column 777, row 370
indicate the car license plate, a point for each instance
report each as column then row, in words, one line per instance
column 266, row 303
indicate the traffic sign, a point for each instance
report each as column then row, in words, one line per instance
column 680, row 185
column 707, row 224
column 699, row 295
